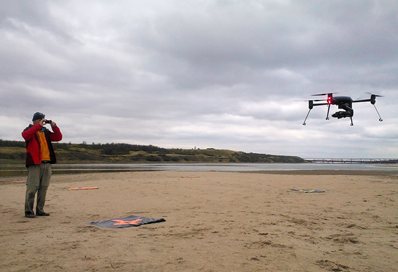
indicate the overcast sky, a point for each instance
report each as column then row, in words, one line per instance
column 230, row 74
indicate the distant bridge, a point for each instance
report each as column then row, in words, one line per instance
column 352, row 160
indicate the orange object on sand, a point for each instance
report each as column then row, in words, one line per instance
column 135, row 222
column 83, row 188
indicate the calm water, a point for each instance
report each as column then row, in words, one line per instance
column 10, row 170
column 229, row 167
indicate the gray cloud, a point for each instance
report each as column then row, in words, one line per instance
column 225, row 74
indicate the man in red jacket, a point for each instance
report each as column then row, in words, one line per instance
column 39, row 157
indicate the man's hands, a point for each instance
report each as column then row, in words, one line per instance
column 44, row 121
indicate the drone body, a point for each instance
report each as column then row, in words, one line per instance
column 343, row 102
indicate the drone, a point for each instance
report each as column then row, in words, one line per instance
column 343, row 102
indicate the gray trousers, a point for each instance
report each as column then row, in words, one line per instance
column 37, row 182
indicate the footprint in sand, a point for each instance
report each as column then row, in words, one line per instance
column 22, row 221
column 344, row 238
column 332, row 266
column 87, row 229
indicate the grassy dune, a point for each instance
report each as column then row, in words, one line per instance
column 14, row 152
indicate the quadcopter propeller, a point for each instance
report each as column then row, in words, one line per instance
column 376, row 95
column 313, row 100
column 321, row 94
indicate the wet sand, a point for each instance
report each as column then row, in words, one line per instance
column 214, row 222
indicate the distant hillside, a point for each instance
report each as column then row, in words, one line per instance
column 14, row 152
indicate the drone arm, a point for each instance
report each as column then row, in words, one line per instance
column 361, row 100
column 320, row 104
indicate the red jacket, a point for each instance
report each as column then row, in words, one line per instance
column 33, row 154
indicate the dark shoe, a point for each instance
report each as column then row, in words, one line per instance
column 30, row 215
column 42, row 214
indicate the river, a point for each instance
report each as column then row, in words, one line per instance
column 15, row 170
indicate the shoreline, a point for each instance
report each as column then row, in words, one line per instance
column 392, row 174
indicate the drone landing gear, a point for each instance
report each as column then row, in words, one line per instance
column 327, row 115
column 310, row 107
column 307, row 117
column 380, row 119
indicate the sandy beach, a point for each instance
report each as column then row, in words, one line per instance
column 214, row 222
